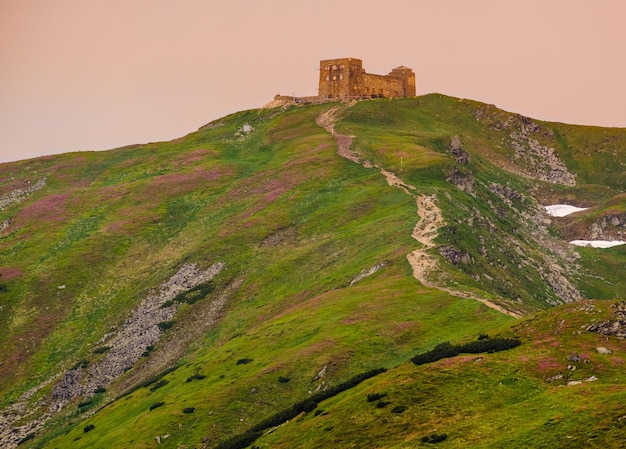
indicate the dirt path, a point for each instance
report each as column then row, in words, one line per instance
column 427, row 228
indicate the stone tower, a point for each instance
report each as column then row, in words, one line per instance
column 346, row 78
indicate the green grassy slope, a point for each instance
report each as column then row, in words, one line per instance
column 528, row 397
column 294, row 223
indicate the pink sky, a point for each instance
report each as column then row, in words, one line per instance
column 97, row 74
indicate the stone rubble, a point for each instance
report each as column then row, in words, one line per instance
column 127, row 345
column 17, row 195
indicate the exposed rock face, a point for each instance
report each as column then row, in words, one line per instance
column 368, row 272
column 454, row 255
column 464, row 182
column 555, row 266
column 17, row 195
column 612, row 327
column 5, row 224
column 541, row 161
column 457, row 176
column 127, row 345
column 456, row 148
column 505, row 193
column 532, row 158
column 609, row 227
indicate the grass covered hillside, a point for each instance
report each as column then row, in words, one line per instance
column 182, row 293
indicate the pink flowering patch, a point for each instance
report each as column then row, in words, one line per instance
column 273, row 189
column 190, row 157
column 188, row 180
column 549, row 364
column 50, row 208
column 7, row 273
column 458, row 360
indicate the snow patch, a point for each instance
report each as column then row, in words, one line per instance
column 598, row 243
column 563, row 210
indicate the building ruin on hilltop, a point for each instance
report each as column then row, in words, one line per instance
column 345, row 78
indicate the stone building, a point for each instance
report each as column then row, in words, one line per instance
column 346, row 78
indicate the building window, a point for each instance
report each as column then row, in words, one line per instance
column 334, row 67
column 334, row 77
column 340, row 77
column 341, row 66
column 327, row 67
column 327, row 78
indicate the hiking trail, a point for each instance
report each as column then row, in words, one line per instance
column 430, row 218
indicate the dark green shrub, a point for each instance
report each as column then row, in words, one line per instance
column 381, row 404
column 189, row 410
column 309, row 406
column 28, row 437
column 399, row 409
column 483, row 336
column 434, row 438
column 239, row 441
column 243, row 361
column 446, row 350
column 85, row 403
column 101, row 349
column 283, row 380
column 82, row 364
column 195, row 377
column 165, row 325
column 194, row 294
column 491, row 345
column 148, row 350
column 88, row 428
column 100, row 390
column 156, row 405
column 375, row 396
column 159, row 384
column 3, row 288
column 148, row 382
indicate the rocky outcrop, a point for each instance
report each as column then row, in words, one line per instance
column 462, row 178
column 454, row 255
column 456, row 148
column 464, row 181
column 505, row 193
column 615, row 327
column 17, row 195
column 609, row 227
column 532, row 158
column 5, row 224
column 367, row 272
column 539, row 161
column 126, row 346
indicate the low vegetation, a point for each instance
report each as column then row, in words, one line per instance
column 445, row 350
column 266, row 353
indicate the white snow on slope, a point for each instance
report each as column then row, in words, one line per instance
column 598, row 243
column 563, row 210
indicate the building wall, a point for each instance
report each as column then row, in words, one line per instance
column 387, row 86
column 346, row 77
column 338, row 76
